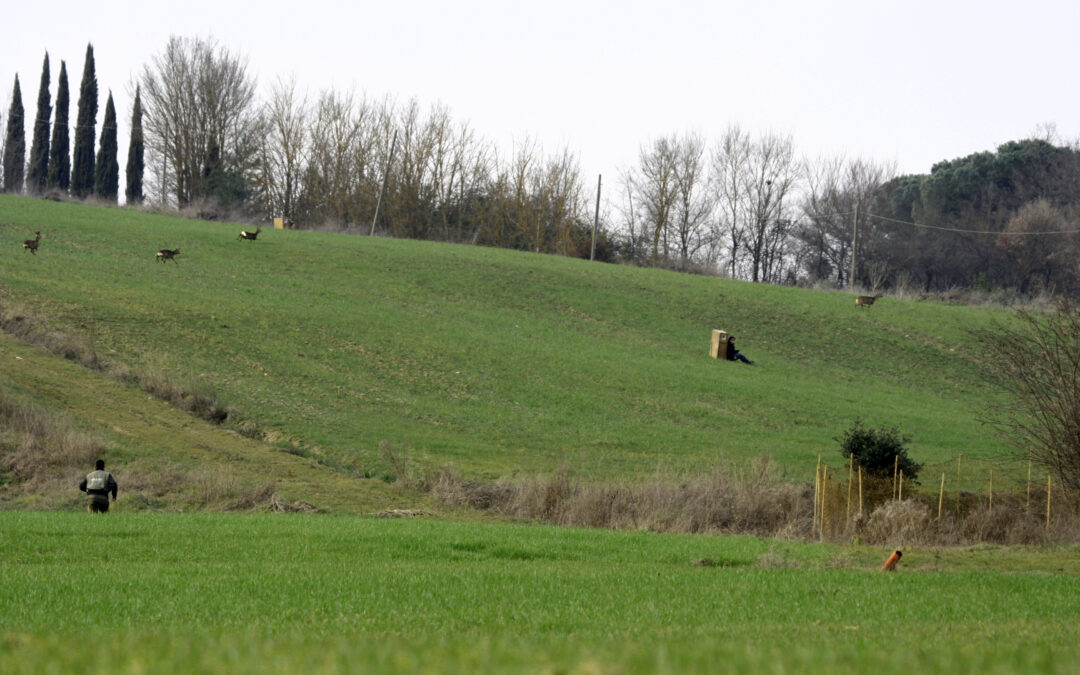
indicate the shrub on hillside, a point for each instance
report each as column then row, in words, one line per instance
column 879, row 451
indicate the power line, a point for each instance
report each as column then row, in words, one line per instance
column 963, row 231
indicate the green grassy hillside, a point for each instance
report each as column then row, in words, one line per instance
column 493, row 361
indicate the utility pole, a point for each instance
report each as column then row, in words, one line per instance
column 596, row 218
column 854, row 237
column 386, row 176
column 164, row 164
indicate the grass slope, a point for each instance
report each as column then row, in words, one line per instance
column 283, row 594
column 169, row 459
column 495, row 361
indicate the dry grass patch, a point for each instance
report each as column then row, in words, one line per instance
column 757, row 503
column 40, row 447
column 710, row 503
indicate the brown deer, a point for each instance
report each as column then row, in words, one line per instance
column 165, row 254
column 866, row 300
column 32, row 244
column 250, row 236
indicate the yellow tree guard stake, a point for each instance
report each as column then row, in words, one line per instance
column 860, row 492
column 850, row 477
column 941, row 496
column 958, row 460
column 1029, row 488
column 1047, row 502
column 817, row 496
column 895, row 472
column 824, row 497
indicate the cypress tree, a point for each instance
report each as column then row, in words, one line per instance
column 106, row 167
column 59, row 177
column 136, row 148
column 15, row 144
column 82, row 161
column 38, row 169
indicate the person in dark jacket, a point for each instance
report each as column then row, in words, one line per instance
column 734, row 354
column 97, row 485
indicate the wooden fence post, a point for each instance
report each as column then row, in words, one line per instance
column 895, row 469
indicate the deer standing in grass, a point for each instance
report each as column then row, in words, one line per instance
column 32, row 244
column 166, row 254
column 866, row 300
column 250, row 236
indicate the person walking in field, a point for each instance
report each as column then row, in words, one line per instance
column 97, row 485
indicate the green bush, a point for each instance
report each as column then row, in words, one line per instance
column 879, row 451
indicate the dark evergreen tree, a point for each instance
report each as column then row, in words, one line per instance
column 106, row 167
column 82, row 161
column 136, row 149
column 15, row 144
column 879, row 451
column 38, row 168
column 59, row 177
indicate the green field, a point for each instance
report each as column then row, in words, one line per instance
column 494, row 361
column 326, row 348
column 283, row 594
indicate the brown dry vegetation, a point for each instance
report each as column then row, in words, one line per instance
column 43, row 450
column 38, row 447
column 724, row 502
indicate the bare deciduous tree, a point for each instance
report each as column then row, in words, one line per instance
column 694, row 204
column 656, row 191
column 730, row 164
column 634, row 237
column 837, row 191
column 1039, row 260
column 770, row 181
column 562, row 198
column 413, row 192
column 199, row 105
column 342, row 176
column 1037, row 361
column 285, row 149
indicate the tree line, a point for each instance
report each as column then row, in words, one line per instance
column 57, row 168
column 744, row 205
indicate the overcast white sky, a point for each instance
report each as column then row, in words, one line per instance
column 913, row 82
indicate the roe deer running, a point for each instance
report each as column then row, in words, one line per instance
column 165, row 254
column 250, row 236
column 32, row 244
column 866, row 300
